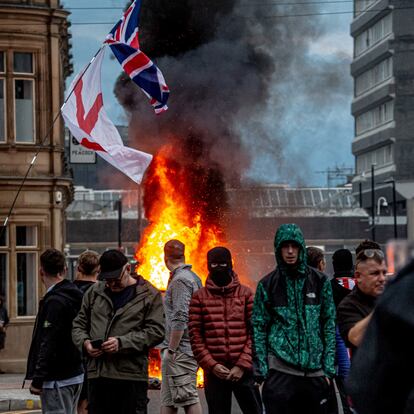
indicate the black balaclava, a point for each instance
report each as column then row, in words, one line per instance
column 222, row 274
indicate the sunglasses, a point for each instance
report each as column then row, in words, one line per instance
column 370, row 254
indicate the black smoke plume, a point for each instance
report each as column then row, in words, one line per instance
column 227, row 63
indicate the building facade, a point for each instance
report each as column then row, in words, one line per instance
column 383, row 105
column 34, row 61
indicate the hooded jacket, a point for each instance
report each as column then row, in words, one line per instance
column 220, row 325
column 294, row 313
column 52, row 355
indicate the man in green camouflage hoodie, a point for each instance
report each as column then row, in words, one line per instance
column 294, row 330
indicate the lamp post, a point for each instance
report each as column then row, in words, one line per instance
column 394, row 205
column 394, row 208
column 119, row 206
column 373, row 201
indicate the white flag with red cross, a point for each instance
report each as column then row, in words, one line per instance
column 88, row 122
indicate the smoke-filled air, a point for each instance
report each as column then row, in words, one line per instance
column 241, row 80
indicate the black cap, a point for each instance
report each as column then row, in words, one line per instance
column 174, row 249
column 112, row 262
column 219, row 255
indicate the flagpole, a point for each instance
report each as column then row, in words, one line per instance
column 3, row 228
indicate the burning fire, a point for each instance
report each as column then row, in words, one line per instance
column 173, row 215
column 154, row 368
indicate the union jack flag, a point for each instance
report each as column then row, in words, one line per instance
column 123, row 40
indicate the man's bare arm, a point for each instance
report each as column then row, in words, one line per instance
column 175, row 339
column 357, row 332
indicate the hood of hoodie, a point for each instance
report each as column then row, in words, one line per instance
column 213, row 288
column 293, row 233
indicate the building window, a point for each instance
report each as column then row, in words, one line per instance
column 4, row 270
column 26, row 236
column 26, row 259
column 26, row 284
column 23, row 63
column 17, row 89
column 2, row 100
column 362, row 5
column 370, row 37
column 24, row 110
column 380, row 157
column 2, row 112
column 374, row 76
column 375, row 117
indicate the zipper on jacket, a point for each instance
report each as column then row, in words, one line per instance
column 298, row 320
column 227, row 327
column 115, row 314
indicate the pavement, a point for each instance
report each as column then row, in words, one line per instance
column 14, row 399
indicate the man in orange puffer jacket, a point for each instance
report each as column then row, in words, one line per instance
column 220, row 337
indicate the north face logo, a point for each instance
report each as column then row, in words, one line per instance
column 311, row 295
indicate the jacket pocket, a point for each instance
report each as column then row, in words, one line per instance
column 91, row 364
column 182, row 387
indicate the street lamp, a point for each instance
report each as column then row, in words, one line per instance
column 381, row 202
column 394, row 204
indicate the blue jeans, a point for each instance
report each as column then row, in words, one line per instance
column 60, row 400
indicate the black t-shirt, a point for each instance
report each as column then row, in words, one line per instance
column 120, row 299
column 355, row 307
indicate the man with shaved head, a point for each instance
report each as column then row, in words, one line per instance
column 355, row 311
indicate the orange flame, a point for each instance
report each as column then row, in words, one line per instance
column 154, row 368
column 172, row 217
column 154, row 364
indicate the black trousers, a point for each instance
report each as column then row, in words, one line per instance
column 109, row 396
column 290, row 394
column 219, row 395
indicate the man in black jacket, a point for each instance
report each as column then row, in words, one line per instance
column 54, row 364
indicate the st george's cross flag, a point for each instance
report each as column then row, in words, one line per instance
column 124, row 42
column 88, row 122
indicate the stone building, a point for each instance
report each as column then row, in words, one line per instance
column 34, row 62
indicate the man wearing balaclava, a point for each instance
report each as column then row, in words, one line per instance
column 294, row 330
column 220, row 334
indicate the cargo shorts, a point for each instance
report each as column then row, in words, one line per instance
column 179, row 380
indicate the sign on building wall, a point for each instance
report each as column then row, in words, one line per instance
column 79, row 154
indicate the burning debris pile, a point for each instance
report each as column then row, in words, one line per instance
column 184, row 200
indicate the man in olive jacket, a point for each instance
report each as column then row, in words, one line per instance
column 120, row 319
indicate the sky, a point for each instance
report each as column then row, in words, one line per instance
column 319, row 132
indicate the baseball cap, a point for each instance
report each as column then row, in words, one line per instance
column 174, row 249
column 112, row 262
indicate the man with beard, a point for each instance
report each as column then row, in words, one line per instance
column 294, row 330
column 220, row 336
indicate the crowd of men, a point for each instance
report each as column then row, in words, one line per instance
column 285, row 350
